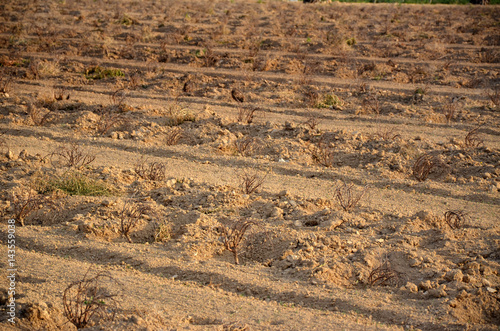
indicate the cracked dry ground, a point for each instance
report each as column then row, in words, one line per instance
column 116, row 113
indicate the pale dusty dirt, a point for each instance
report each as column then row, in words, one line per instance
column 369, row 86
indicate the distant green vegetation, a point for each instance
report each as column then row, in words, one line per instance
column 100, row 73
column 330, row 101
column 74, row 183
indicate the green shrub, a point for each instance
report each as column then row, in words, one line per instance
column 330, row 101
column 74, row 183
column 100, row 73
column 351, row 41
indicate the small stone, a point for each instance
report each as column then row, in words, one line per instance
column 297, row 223
column 414, row 262
column 289, row 125
column 170, row 182
column 292, row 258
column 428, row 259
column 485, row 282
column 467, row 279
column 110, row 202
column 425, row 285
column 10, row 155
column 485, row 270
column 425, row 215
column 283, row 193
column 276, row 212
column 463, row 287
column 473, row 268
column 331, row 224
column 486, row 175
column 462, row 295
column 86, row 226
column 411, row 287
column 491, row 289
column 292, row 203
column 437, row 293
column 137, row 320
column 23, row 154
column 43, row 314
column 38, row 310
column 454, row 275
column 5, row 204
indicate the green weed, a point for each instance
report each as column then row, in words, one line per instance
column 100, row 73
column 74, row 183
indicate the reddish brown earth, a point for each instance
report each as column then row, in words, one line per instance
column 333, row 94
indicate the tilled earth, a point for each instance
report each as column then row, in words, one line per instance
column 357, row 145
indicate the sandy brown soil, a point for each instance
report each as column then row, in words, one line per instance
column 333, row 94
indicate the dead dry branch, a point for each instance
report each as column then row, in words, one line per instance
column 246, row 146
column 118, row 97
column 4, row 147
column 246, row 114
column 60, row 93
column 251, row 181
column 89, row 301
column 177, row 114
column 72, row 155
column 323, row 154
column 38, row 116
column 456, row 219
column 371, row 104
column 347, row 197
column 384, row 275
column 210, row 58
column 232, row 236
column 423, row 166
column 449, row 111
column 494, row 95
column 173, row 136
column 155, row 171
column 108, row 120
column 473, row 139
column 307, row 71
column 5, row 82
column 33, row 71
column 135, row 80
column 488, row 56
column 129, row 217
column 387, row 134
column 26, row 200
column 312, row 98
column 312, row 121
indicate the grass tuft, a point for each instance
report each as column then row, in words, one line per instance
column 74, row 183
column 100, row 73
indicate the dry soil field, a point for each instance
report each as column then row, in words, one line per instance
column 353, row 148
